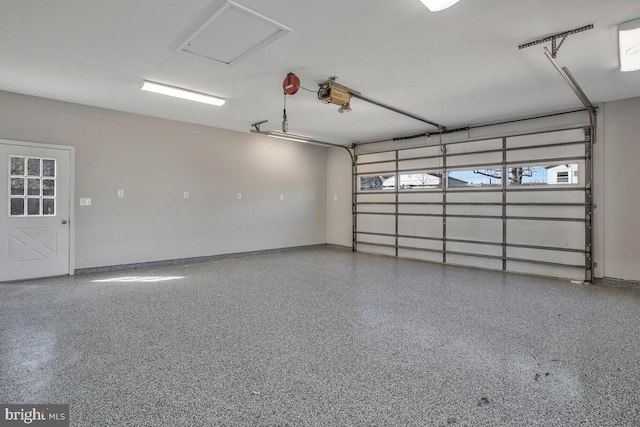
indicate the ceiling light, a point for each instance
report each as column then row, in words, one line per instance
column 437, row 5
column 346, row 108
column 629, row 41
column 178, row 92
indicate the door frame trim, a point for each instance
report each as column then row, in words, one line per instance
column 72, row 166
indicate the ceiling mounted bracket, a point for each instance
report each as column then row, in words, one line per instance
column 555, row 44
column 256, row 125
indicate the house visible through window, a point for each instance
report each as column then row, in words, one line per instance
column 562, row 177
column 374, row 182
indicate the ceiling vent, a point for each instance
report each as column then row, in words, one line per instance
column 231, row 34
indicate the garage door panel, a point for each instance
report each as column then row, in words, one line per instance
column 420, row 255
column 378, row 208
column 479, row 196
column 474, row 248
column 470, row 261
column 474, row 146
column 546, row 270
column 376, row 223
column 489, row 230
column 376, row 197
column 576, row 212
column 377, row 157
column 554, row 137
column 389, row 167
column 559, row 257
column 532, row 155
column 420, row 209
column 475, row 159
column 378, row 250
column 420, row 226
column 420, row 243
column 480, row 210
column 370, row 238
column 546, row 233
column 542, row 196
column 408, row 165
column 426, row 197
column 430, row 151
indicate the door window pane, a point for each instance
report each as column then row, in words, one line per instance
column 477, row 178
column 528, row 175
column 33, row 186
column 17, row 207
column 17, row 186
column 49, row 168
column 17, row 165
column 48, row 207
column 420, row 180
column 33, row 206
column 377, row 182
column 544, row 174
column 33, row 166
column 48, row 187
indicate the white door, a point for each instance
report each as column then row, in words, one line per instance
column 34, row 211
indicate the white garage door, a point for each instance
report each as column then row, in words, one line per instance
column 515, row 203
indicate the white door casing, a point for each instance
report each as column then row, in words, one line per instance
column 38, row 241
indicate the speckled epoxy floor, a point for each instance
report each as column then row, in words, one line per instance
column 323, row 337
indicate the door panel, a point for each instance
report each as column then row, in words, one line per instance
column 34, row 211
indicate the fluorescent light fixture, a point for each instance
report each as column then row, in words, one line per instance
column 437, row 5
column 629, row 41
column 178, row 92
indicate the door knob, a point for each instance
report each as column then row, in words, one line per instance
column 64, row 221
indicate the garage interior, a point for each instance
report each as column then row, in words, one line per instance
column 398, row 216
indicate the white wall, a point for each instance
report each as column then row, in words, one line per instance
column 621, row 198
column 154, row 161
column 339, row 224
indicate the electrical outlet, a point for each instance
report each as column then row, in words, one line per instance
column 335, row 198
column 120, row 193
column 85, row 201
column 239, row 196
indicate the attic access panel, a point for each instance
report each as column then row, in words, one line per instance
column 233, row 33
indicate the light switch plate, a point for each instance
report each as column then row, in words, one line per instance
column 120, row 193
column 239, row 196
column 186, row 194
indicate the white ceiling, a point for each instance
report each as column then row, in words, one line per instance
column 456, row 67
